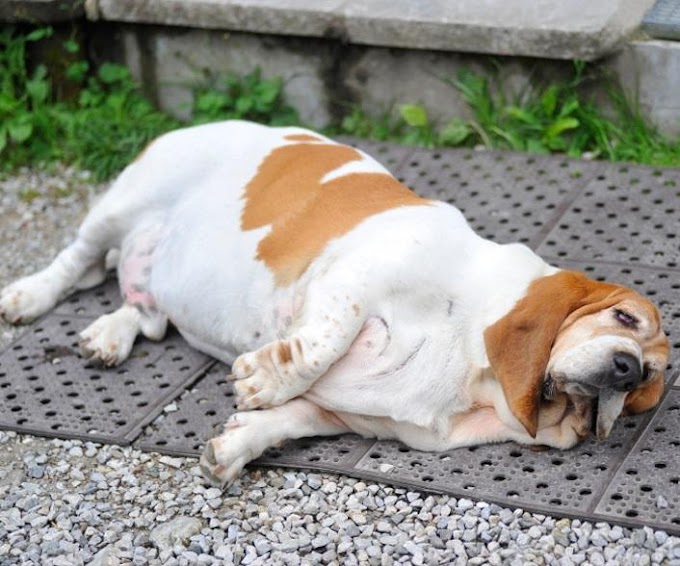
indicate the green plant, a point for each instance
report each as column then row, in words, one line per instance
column 245, row 98
column 559, row 118
column 411, row 126
column 358, row 123
column 112, row 121
column 548, row 118
column 25, row 113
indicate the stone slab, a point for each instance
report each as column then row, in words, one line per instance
column 650, row 73
column 563, row 30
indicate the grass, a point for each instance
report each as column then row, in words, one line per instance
column 110, row 121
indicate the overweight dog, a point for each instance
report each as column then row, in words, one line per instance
column 346, row 303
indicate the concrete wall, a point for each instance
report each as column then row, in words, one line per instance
column 325, row 78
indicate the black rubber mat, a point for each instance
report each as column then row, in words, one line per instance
column 506, row 197
column 627, row 215
column 663, row 20
column 613, row 222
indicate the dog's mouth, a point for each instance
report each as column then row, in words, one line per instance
column 604, row 406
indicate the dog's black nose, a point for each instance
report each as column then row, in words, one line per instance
column 626, row 371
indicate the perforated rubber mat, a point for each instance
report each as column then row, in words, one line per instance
column 47, row 388
column 612, row 221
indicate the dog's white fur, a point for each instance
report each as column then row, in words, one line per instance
column 385, row 328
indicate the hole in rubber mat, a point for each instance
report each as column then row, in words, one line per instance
column 103, row 299
column 47, row 388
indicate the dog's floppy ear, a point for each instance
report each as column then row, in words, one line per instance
column 645, row 397
column 518, row 345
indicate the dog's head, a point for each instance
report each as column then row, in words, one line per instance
column 583, row 338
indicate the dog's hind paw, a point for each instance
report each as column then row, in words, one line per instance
column 226, row 455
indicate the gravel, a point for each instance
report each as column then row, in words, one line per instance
column 69, row 502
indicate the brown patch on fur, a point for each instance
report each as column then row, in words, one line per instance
column 518, row 345
column 305, row 213
column 302, row 138
column 357, row 310
column 283, row 352
column 297, row 346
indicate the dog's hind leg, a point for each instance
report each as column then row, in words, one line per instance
column 31, row 296
column 248, row 434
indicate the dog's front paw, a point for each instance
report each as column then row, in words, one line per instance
column 268, row 377
column 226, row 455
column 109, row 339
column 25, row 300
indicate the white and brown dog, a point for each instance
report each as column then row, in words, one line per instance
column 346, row 303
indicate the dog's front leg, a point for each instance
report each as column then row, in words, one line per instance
column 286, row 368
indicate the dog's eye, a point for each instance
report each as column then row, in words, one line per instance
column 626, row 319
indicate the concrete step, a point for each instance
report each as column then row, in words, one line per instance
column 577, row 29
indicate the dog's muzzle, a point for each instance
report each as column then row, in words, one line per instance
column 608, row 389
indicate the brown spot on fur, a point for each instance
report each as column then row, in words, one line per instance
column 303, row 138
column 283, row 352
column 357, row 310
column 305, row 213
column 297, row 345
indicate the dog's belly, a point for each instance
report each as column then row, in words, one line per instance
column 205, row 279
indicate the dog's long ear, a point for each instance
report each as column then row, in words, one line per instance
column 518, row 345
column 646, row 397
